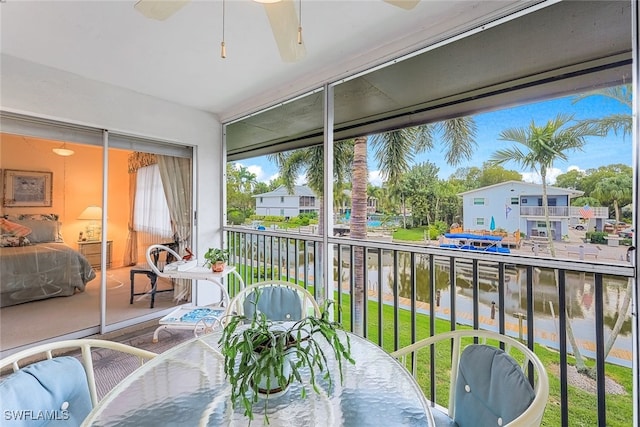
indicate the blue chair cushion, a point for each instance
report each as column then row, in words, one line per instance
column 491, row 389
column 278, row 303
column 442, row 419
column 52, row 392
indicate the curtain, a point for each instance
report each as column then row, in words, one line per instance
column 151, row 211
column 136, row 161
column 175, row 173
column 131, row 247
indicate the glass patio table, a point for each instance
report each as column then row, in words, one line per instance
column 186, row 386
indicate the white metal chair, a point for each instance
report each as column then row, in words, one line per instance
column 49, row 377
column 157, row 257
column 474, row 367
column 277, row 299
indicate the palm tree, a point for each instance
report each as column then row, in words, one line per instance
column 310, row 161
column 617, row 123
column 543, row 146
column 358, row 229
column 394, row 151
column 613, row 122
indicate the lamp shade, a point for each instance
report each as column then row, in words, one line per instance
column 91, row 213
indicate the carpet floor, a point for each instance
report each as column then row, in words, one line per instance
column 111, row 367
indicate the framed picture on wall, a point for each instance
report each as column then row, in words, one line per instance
column 26, row 188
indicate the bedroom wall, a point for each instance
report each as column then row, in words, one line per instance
column 40, row 91
column 76, row 184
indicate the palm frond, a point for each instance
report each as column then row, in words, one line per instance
column 618, row 123
column 394, row 152
column 459, row 137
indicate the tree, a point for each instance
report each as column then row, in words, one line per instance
column 240, row 186
column 490, row 174
column 594, row 176
column 309, row 161
column 543, row 145
column 571, row 179
column 617, row 123
column 358, row 229
column 614, row 122
column 616, row 191
column 394, row 152
column 421, row 187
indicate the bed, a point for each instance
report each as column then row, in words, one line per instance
column 39, row 265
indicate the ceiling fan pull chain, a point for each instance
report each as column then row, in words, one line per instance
column 300, row 22
column 223, row 48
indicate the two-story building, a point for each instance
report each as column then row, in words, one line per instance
column 282, row 203
column 517, row 206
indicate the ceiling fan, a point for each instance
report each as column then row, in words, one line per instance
column 281, row 13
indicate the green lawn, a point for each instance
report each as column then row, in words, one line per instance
column 410, row 234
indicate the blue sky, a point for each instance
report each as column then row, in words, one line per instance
column 597, row 152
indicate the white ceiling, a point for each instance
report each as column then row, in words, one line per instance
column 179, row 59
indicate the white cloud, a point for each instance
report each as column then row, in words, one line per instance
column 576, row 168
column 535, row 178
column 375, row 178
column 272, row 177
column 261, row 175
column 258, row 171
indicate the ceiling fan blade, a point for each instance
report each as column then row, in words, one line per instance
column 284, row 25
column 159, row 9
column 405, row 4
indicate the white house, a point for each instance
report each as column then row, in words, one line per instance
column 280, row 202
column 516, row 205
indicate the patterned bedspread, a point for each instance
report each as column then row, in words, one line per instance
column 40, row 271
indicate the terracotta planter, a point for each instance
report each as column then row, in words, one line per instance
column 218, row 266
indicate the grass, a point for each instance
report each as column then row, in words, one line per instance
column 582, row 404
column 410, row 234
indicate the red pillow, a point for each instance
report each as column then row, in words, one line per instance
column 17, row 230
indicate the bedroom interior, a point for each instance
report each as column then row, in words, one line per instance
column 75, row 187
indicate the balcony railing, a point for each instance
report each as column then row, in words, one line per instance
column 562, row 211
column 413, row 291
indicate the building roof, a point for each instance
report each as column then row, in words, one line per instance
column 526, row 186
column 298, row 190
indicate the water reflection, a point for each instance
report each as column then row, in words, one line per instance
column 579, row 297
column 291, row 258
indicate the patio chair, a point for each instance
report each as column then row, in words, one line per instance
column 157, row 257
column 487, row 386
column 278, row 300
column 60, row 385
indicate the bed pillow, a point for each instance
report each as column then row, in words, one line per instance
column 13, row 228
column 9, row 240
column 41, row 231
column 42, row 225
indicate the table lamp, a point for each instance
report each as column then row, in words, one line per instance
column 93, row 214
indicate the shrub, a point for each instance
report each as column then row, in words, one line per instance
column 596, row 236
column 235, row 218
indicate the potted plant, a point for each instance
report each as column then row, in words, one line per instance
column 263, row 357
column 216, row 258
